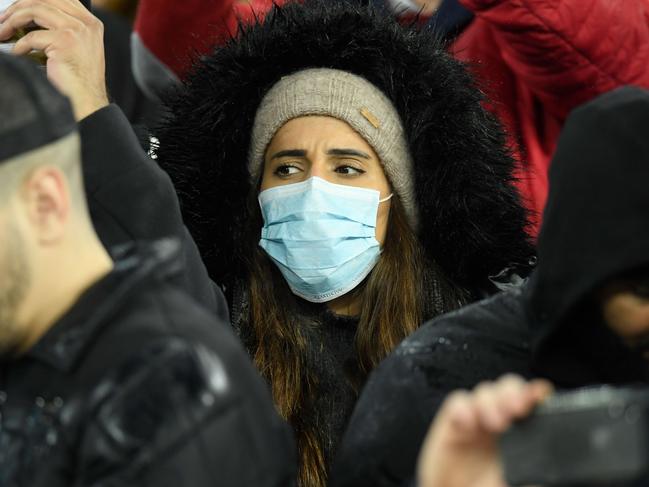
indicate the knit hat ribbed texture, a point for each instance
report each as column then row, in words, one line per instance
column 347, row 97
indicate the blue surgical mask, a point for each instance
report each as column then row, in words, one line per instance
column 321, row 236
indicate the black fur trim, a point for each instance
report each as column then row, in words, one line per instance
column 471, row 220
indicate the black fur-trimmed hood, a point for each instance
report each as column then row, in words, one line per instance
column 471, row 221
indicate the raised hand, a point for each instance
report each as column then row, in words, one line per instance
column 72, row 39
column 461, row 448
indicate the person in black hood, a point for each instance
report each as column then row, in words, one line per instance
column 335, row 126
column 109, row 373
column 588, row 300
column 585, row 312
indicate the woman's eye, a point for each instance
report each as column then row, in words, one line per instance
column 286, row 170
column 349, row 170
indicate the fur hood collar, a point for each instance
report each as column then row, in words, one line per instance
column 471, row 221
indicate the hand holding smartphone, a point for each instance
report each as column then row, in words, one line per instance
column 461, row 448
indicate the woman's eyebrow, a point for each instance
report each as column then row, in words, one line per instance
column 289, row 153
column 348, row 152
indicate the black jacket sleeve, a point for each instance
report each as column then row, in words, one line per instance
column 455, row 351
column 131, row 198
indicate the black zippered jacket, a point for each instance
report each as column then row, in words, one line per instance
column 137, row 385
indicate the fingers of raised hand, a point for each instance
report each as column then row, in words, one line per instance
column 52, row 43
column 47, row 14
column 540, row 389
column 38, row 40
column 460, row 412
column 512, row 396
column 71, row 7
column 519, row 397
column 499, row 403
column 43, row 15
column 488, row 406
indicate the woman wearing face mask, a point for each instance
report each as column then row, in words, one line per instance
column 343, row 184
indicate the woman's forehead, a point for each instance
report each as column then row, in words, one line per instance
column 327, row 131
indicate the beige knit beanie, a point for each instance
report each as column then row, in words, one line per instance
column 349, row 98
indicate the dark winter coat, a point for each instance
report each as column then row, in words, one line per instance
column 137, row 385
column 595, row 228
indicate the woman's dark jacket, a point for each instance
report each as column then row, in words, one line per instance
column 138, row 385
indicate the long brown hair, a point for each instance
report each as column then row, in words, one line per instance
column 402, row 290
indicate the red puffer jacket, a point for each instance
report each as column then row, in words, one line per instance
column 539, row 59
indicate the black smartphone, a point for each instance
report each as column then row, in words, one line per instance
column 588, row 437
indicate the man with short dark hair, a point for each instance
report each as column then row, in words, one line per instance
column 109, row 374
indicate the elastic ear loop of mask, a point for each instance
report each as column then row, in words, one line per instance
column 383, row 201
